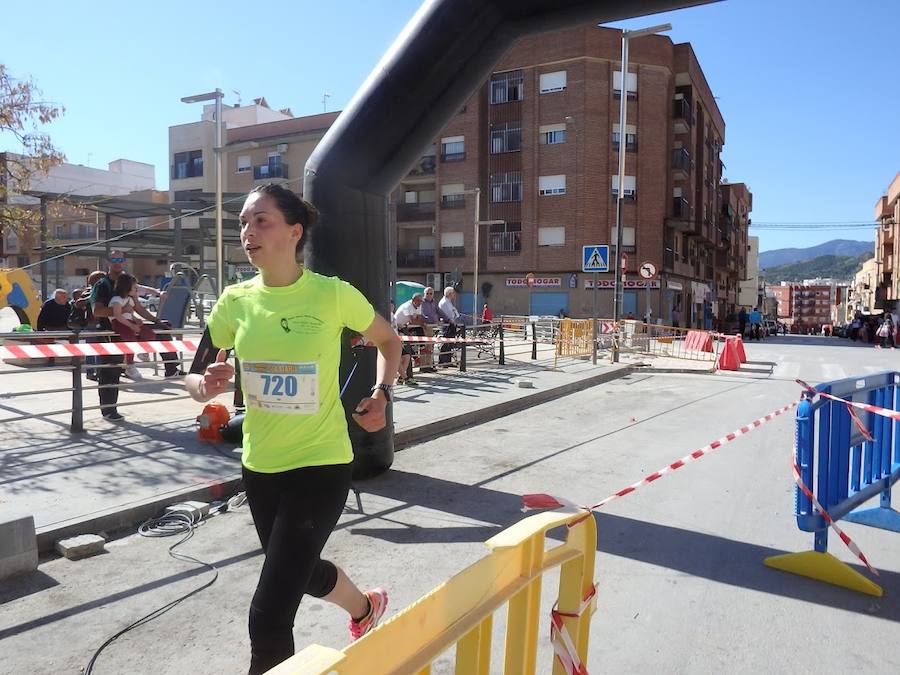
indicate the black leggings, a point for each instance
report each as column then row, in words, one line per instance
column 294, row 513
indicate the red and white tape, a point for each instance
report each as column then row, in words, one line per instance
column 868, row 407
column 545, row 501
column 561, row 640
column 64, row 349
column 834, row 526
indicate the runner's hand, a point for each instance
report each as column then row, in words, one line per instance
column 370, row 413
column 217, row 375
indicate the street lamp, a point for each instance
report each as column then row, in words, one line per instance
column 217, row 97
column 477, row 192
column 618, row 294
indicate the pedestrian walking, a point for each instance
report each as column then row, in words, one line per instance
column 285, row 327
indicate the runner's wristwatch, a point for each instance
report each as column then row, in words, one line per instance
column 386, row 388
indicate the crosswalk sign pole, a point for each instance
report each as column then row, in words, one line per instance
column 594, row 323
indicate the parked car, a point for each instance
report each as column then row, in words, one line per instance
column 770, row 327
column 150, row 303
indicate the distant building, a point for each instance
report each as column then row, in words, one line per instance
column 750, row 289
column 862, row 293
column 887, row 213
column 68, row 224
column 808, row 305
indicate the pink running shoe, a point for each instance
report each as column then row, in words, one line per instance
column 378, row 601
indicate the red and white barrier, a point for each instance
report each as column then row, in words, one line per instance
column 66, row 349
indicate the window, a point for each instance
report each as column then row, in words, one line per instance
column 140, row 222
column 273, row 168
column 551, row 236
column 552, row 134
column 506, row 137
column 630, row 137
column 188, row 164
column 551, row 82
column 453, row 148
column 410, row 197
column 630, row 84
column 627, row 238
column 505, row 239
column 453, row 196
column 453, row 244
column 629, row 192
column 243, row 163
column 506, row 187
column 506, row 87
column 449, row 239
column 552, row 185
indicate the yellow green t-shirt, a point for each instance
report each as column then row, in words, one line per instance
column 288, row 340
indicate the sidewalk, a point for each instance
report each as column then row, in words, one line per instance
column 113, row 476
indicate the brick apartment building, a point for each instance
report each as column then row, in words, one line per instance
column 540, row 141
column 887, row 213
column 808, row 306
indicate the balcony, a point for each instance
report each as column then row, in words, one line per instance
column 684, row 116
column 453, row 202
column 681, row 208
column 453, row 251
column 505, row 243
column 412, row 212
column 424, row 167
column 415, row 258
column 682, row 164
column 669, row 259
column 267, row 171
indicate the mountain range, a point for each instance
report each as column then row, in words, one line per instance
column 839, row 268
column 836, row 247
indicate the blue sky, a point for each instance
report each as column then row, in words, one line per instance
column 807, row 89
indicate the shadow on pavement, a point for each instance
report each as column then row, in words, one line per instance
column 725, row 561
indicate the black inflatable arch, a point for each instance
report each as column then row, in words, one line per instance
column 445, row 52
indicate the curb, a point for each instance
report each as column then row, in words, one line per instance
column 409, row 437
column 130, row 515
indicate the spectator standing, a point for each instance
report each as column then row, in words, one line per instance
column 487, row 316
column 431, row 318
column 408, row 320
column 742, row 321
column 451, row 316
column 755, row 324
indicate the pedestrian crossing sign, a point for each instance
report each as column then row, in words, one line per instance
column 595, row 258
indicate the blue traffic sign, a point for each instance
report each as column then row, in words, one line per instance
column 595, row 258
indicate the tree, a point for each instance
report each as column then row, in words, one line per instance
column 23, row 113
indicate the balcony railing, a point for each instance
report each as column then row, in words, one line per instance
column 453, row 202
column 266, row 171
column 425, row 166
column 681, row 161
column 505, row 243
column 680, row 208
column 669, row 259
column 453, row 251
column 682, row 110
column 410, row 212
column 415, row 258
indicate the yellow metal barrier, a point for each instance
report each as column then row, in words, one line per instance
column 460, row 611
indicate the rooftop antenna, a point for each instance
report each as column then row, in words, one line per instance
column 238, row 94
column 325, row 98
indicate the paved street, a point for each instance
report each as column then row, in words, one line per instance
column 682, row 587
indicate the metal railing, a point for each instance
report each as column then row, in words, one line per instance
column 412, row 212
column 415, row 258
column 504, row 243
column 63, row 362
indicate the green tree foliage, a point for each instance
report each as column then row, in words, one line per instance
column 840, row 268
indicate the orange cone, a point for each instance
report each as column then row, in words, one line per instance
column 728, row 359
column 739, row 345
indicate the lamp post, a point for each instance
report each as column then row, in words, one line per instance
column 618, row 294
column 477, row 192
column 216, row 96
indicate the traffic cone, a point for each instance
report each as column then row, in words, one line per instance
column 739, row 345
column 728, row 359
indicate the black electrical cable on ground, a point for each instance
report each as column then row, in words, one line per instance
column 170, row 525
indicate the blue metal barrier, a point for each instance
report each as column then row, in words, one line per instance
column 844, row 470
